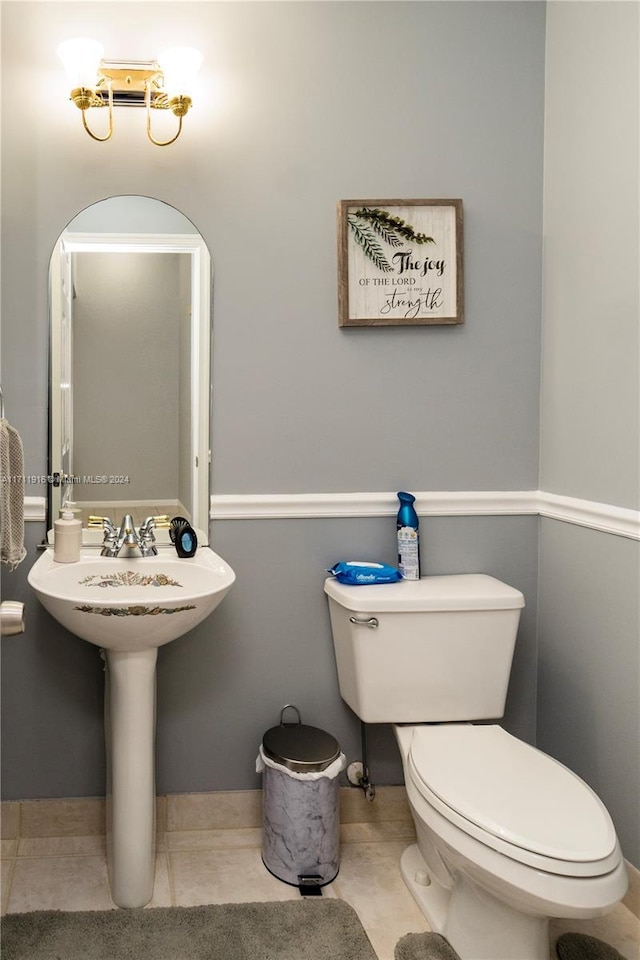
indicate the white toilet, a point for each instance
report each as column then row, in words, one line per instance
column 506, row 836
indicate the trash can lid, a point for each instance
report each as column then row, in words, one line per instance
column 300, row 747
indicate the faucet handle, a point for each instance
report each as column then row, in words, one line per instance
column 162, row 520
column 150, row 522
column 110, row 534
column 147, row 539
column 104, row 522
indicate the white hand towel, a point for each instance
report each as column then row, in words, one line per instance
column 12, row 550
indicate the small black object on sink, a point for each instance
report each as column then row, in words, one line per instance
column 183, row 537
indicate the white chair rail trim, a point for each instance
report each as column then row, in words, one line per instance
column 604, row 517
column 35, row 508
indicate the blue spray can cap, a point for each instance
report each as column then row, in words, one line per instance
column 407, row 516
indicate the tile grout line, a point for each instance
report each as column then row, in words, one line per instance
column 12, row 862
column 172, row 887
column 6, row 897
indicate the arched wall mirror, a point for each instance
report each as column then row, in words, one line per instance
column 129, row 395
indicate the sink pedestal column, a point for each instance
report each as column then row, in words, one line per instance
column 130, row 721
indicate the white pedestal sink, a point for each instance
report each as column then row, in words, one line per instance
column 129, row 607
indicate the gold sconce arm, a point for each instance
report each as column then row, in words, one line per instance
column 179, row 106
column 84, row 98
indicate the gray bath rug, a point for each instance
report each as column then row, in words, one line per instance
column 286, row 930
column 570, row 946
column 578, row 946
column 424, row 946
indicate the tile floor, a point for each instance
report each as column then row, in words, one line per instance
column 209, row 851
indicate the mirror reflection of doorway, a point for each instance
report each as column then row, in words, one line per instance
column 130, row 366
column 130, row 342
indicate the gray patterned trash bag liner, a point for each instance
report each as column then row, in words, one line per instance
column 301, row 821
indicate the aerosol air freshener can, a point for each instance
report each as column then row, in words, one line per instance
column 408, row 538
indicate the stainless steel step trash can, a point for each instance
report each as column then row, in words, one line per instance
column 300, row 803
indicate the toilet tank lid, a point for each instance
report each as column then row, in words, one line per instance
column 465, row 591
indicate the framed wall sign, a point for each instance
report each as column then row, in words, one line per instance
column 399, row 262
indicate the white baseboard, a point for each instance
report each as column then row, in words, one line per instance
column 632, row 898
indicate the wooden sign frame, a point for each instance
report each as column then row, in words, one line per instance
column 400, row 262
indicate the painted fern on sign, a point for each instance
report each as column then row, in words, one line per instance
column 366, row 239
column 367, row 224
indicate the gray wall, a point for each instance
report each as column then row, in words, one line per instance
column 223, row 685
column 456, row 110
column 588, row 665
column 319, row 102
column 590, row 410
column 128, row 316
column 588, row 704
column 309, row 113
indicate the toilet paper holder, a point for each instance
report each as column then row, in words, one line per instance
column 11, row 618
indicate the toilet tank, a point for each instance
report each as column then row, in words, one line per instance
column 434, row 649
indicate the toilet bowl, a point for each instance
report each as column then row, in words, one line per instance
column 507, row 837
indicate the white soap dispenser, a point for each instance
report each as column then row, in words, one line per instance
column 72, row 507
column 67, row 538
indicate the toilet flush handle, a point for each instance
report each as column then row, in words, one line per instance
column 371, row 622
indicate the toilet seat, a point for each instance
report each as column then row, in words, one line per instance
column 513, row 798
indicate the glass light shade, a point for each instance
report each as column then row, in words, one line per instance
column 179, row 66
column 81, row 58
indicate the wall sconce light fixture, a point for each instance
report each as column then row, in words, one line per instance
column 163, row 84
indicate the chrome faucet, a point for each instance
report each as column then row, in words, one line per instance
column 146, row 539
column 127, row 536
